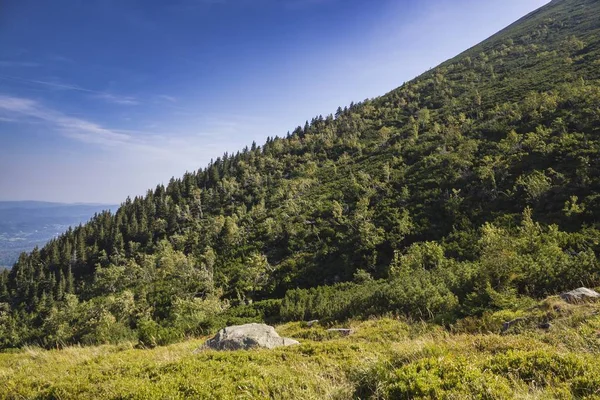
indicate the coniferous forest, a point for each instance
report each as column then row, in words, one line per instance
column 472, row 189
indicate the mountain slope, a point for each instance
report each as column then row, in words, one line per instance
column 474, row 186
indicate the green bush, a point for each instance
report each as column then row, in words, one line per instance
column 506, row 375
column 579, row 373
column 415, row 297
column 433, row 378
column 151, row 334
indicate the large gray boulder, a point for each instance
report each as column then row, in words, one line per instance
column 249, row 336
column 580, row 295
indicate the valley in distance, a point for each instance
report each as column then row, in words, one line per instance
column 27, row 224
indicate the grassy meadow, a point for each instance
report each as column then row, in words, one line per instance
column 383, row 358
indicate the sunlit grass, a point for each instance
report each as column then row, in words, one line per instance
column 383, row 358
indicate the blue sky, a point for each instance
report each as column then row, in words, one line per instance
column 101, row 99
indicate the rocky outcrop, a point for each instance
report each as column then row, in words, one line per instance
column 249, row 336
column 580, row 295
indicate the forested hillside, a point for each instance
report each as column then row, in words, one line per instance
column 474, row 187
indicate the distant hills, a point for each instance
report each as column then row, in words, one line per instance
column 26, row 224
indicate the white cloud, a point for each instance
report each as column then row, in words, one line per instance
column 16, row 104
column 105, row 96
column 183, row 147
column 48, row 84
column 72, row 127
column 165, row 97
column 114, row 99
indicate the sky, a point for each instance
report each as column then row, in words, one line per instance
column 104, row 99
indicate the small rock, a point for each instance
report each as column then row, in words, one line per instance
column 311, row 323
column 580, row 295
column 341, row 331
column 545, row 325
column 249, row 336
column 506, row 326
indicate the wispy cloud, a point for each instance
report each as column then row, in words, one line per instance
column 72, row 127
column 173, row 146
column 120, row 161
column 105, row 96
column 54, row 85
column 165, row 97
column 16, row 104
column 114, row 99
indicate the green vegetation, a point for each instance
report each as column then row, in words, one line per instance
column 384, row 358
column 457, row 201
column 473, row 188
column 438, row 221
column 511, row 266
